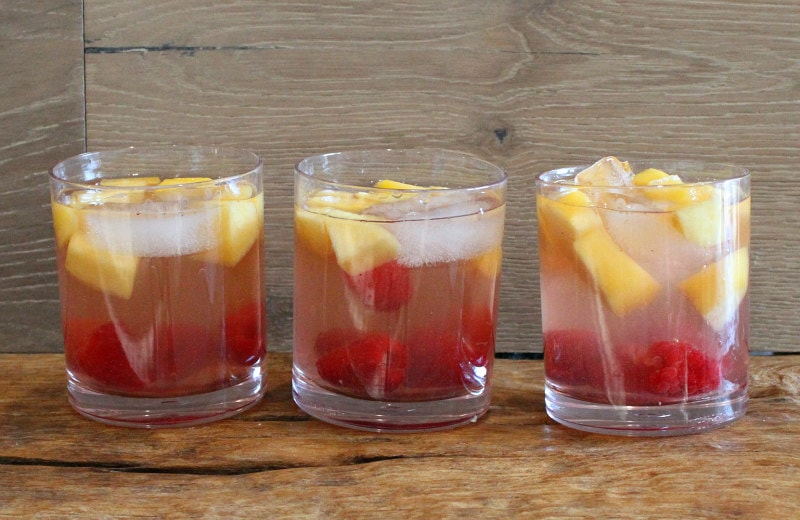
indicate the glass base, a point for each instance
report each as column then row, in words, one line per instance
column 153, row 412
column 383, row 416
column 645, row 421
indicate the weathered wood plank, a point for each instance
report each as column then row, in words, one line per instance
column 530, row 85
column 273, row 459
column 41, row 121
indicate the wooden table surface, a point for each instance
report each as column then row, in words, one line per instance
column 274, row 461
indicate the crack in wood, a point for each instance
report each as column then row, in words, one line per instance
column 185, row 49
column 355, row 461
column 124, row 467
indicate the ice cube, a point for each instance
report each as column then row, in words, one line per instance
column 448, row 239
column 153, row 230
column 653, row 241
column 608, row 171
column 425, row 205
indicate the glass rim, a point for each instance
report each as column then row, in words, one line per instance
column 425, row 153
column 735, row 172
column 58, row 171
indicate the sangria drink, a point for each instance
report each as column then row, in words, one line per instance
column 397, row 263
column 160, row 266
column 645, row 300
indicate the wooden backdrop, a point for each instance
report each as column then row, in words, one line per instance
column 528, row 84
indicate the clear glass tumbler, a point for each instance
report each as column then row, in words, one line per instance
column 645, row 300
column 397, row 263
column 160, row 267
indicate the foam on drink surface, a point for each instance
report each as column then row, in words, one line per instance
column 427, row 225
column 449, row 238
column 154, row 229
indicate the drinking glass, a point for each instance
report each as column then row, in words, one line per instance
column 160, row 268
column 397, row 263
column 645, row 300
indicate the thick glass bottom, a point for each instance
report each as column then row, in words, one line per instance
column 153, row 412
column 384, row 416
column 646, row 421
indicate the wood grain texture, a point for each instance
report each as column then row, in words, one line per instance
column 274, row 460
column 41, row 121
column 529, row 85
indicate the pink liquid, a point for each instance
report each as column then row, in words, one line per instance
column 664, row 351
column 191, row 324
column 413, row 333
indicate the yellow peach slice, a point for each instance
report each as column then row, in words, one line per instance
column 131, row 181
column 99, row 196
column 389, row 184
column 122, row 196
column 624, row 284
column 241, row 222
column 108, row 272
column 718, row 289
column 310, row 229
column 654, row 176
column 173, row 181
column 670, row 188
column 702, row 222
column 488, row 263
column 360, row 246
column 570, row 215
column 179, row 188
column 66, row 221
column 357, row 202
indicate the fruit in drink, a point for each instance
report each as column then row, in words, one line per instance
column 718, row 289
column 386, row 287
column 361, row 246
column 394, row 307
column 366, row 365
column 677, row 369
column 644, row 281
column 107, row 271
column 624, row 284
column 161, row 286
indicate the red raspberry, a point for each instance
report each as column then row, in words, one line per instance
column 384, row 288
column 677, row 369
column 101, row 358
column 172, row 359
column 364, row 365
column 244, row 335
